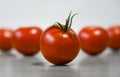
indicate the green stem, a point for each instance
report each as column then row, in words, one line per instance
column 68, row 23
column 71, row 20
column 59, row 25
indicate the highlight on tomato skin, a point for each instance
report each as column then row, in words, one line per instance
column 93, row 39
column 6, row 39
column 59, row 44
column 114, row 34
column 26, row 40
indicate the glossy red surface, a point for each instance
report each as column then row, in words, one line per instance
column 59, row 47
column 26, row 40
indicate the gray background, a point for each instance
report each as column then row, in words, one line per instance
column 16, row 13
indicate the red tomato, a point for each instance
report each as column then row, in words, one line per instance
column 59, row 44
column 93, row 39
column 114, row 34
column 26, row 40
column 6, row 39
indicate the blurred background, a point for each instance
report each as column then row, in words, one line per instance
column 43, row 13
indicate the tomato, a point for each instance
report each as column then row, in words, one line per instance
column 114, row 34
column 26, row 40
column 59, row 43
column 93, row 39
column 6, row 39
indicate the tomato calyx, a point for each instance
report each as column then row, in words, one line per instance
column 68, row 23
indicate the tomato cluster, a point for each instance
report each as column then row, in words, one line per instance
column 95, row 39
column 59, row 43
column 24, row 39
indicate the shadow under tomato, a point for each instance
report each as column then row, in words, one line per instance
column 59, row 65
column 38, row 64
column 7, row 53
column 93, row 66
column 30, row 60
column 59, row 71
column 114, row 50
column 113, row 58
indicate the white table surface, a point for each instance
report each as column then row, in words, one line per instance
column 105, row 65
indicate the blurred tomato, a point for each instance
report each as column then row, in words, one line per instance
column 6, row 39
column 59, row 43
column 93, row 39
column 26, row 40
column 114, row 34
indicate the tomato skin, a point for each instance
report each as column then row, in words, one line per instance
column 26, row 40
column 6, row 39
column 59, row 47
column 114, row 34
column 93, row 39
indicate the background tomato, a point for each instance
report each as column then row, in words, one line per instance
column 6, row 39
column 26, row 40
column 114, row 34
column 93, row 39
column 59, row 44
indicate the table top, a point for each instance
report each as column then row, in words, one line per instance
column 106, row 64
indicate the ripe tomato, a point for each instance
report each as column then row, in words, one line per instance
column 114, row 34
column 26, row 40
column 59, row 43
column 93, row 39
column 6, row 39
